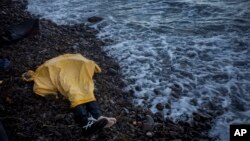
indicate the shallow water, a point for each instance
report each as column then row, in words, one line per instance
column 198, row 49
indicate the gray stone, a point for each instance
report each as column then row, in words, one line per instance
column 148, row 125
column 149, row 134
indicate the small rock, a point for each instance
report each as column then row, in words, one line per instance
column 149, row 134
column 59, row 116
column 201, row 116
column 125, row 110
column 112, row 102
column 168, row 106
column 173, row 134
column 193, row 102
column 112, row 71
column 140, row 116
column 131, row 91
column 175, row 94
column 176, row 87
column 138, row 88
column 157, row 92
column 9, row 100
column 191, row 54
column 95, row 19
column 149, row 123
column 134, row 123
column 3, row 12
column 145, row 98
column 159, row 117
column 139, row 123
column 160, row 106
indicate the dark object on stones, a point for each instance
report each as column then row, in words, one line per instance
column 95, row 19
column 18, row 32
column 3, row 135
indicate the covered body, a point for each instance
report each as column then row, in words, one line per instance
column 69, row 74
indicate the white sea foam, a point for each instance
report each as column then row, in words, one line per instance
column 199, row 46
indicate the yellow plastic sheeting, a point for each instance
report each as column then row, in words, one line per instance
column 69, row 74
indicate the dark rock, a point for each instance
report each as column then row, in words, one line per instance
column 138, row 88
column 140, row 116
column 201, row 116
column 125, row 110
column 159, row 117
column 176, row 87
column 149, row 124
column 173, row 134
column 160, row 106
column 95, row 19
column 193, row 102
column 168, row 121
column 157, row 91
column 131, row 91
column 191, row 54
column 145, row 98
column 168, row 105
column 175, row 94
column 149, row 106
column 112, row 71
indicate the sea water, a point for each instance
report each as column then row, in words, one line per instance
column 191, row 54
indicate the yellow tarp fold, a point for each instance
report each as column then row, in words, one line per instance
column 69, row 74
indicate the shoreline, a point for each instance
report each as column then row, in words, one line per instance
column 26, row 116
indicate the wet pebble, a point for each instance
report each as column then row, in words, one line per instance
column 193, row 102
column 95, row 19
column 201, row 116
column 168, row 105
column 160, row 106
column 138, row 88
column 175, row 94
column 176, row 87
column 191, row 54
column 157, row 91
